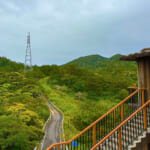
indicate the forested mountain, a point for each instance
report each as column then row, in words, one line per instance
column 90, row 62
column 96, row 61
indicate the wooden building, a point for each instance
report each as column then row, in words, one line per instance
column 143, row 60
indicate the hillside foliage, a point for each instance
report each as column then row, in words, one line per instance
column 93, row 82
column 88, row 62
column 22, row 112
column 10, row 66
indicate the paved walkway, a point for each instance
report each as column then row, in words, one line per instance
column 53, row 129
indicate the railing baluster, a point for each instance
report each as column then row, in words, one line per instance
column 80, row 142
column 122, row 113
column 143, row 97
column 99, row 130
column 94, row 134
column 58, row 147
column 144, row 111
column 120, row 139
column 113, row 117
column 88, row 138
column 77, row 143
column 91, row 137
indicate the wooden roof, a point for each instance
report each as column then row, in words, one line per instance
column 135, row 56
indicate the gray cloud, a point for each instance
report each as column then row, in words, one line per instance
column 62, row 30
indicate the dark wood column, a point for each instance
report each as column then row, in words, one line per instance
column 144, row 74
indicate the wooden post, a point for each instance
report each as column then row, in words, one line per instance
column 120, row 139
column 143, row 98
column 122, row 113
column 94, row 134
column 144, row 75
column 58, row 147
column 144, row 111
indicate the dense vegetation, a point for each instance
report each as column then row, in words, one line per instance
column 92, row 61
column 89, row 62
column 10, row 66
column 93, row 82
column 79, row 111
column 111, row 77
column 73, row 89
column 22, row 112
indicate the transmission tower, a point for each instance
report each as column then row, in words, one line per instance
column 28, row 57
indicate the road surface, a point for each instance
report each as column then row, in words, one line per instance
column 52, row 129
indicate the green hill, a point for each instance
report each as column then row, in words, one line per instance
column 94, row 61
column 8, row 65
column 115, row 57
column 90, row 62
column 102, row 63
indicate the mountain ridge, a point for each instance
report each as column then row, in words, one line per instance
column 93, row 61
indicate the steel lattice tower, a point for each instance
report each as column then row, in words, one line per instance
column 28, row 57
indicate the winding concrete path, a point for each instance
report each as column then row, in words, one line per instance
column 52, row 129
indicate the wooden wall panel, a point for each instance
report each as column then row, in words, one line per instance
column 144, row 74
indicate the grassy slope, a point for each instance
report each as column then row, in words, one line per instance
column 86, row 110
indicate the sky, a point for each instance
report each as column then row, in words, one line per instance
column 62, row 30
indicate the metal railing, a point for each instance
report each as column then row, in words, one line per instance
column 104, row 125
column 128, row 131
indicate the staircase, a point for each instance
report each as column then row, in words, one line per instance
column 128, row 132
column 118, row 129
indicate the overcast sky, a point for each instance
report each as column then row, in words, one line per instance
column 62, row 30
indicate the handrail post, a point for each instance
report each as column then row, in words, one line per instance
column 120, row 139
column 122, row 113
column 143, row 97
column 114, row 117
column 144, row 111
column 58, row 147
column 94, row 134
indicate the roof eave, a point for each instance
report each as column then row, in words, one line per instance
column 127, row 58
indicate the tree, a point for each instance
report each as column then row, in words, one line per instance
column 14, row 134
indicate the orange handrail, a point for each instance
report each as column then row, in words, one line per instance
column 95, row 122
column 119, row 126
column 132, row 87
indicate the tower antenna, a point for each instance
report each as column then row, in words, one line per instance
column 28, row 57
